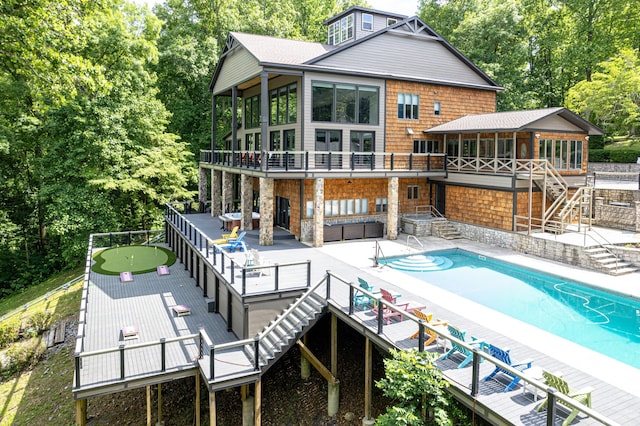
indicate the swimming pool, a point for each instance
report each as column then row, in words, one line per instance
column 604, row 322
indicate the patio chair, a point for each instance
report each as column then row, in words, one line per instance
column 474, row 342
column 387, row 312
column 432, row 336
column 583, row 396
column 232, row 234
column 504, row 356
column 237, row 243
column 361, row 299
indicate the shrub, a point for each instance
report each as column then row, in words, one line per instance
column 9, row 332
column 39, row 322
column 21, row 355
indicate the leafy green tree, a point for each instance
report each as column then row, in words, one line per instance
column 417, row 388
column 612, row 98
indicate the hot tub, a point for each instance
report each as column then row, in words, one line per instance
column 231, row 220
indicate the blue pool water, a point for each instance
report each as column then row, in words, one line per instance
column 601, row 321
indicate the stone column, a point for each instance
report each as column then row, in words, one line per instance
column 318, row 212
column 266, row 212
column 598, row 210
column 227, row 191
column 636, row 204
column 246, row 201
column 216, row 193
column 392, row 209
column 202, row 186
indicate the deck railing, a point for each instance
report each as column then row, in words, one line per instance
column 325, row 160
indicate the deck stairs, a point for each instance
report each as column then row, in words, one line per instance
column 444, row 229
column 284, row 331
column 603, row 259
column 568, row 205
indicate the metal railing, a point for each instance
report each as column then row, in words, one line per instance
column 325, row 160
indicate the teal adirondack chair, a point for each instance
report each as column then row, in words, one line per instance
column 455, row 347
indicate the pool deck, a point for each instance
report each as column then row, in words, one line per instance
column 148, row 303
column 616, row 385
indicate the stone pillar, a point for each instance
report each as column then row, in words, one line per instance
column 392, row 205
column 318, row 212
column 227, row 191
column 636, row 204
column 202, row 185
column 216, row 193
column 598, row 210
column 246, row 201
column 266, row 212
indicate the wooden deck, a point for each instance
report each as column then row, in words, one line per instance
column 147, row 303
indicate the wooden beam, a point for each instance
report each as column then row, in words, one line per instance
column 334, row 345
column 81, row 412
column 367, row 378
column 212, row 409
column 198, row 399
column 324, row 371
column 257, row 400
column 148, row 405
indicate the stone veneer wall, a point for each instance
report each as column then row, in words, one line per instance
column 613, row 167
column 617, row 217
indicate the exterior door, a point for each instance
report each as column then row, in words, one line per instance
column 440, row 197
column 282, row 212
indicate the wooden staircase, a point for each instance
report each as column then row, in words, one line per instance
column 444, row 229
column 606, row 261
column 284, row 331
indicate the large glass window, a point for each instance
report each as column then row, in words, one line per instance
column 505, row 148
column 576, row 155
column 453, row 148
column 422, row 146
column 252, row 112
column 329, row 141
column 344, row 103
column 487, row 148
column 408, row 106
column 283, row 105
column 362, row 142
column 469, row 147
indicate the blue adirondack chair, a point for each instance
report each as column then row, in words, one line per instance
column 361, row 299
column 455, row 347
column 237, row 243
column 504, row 356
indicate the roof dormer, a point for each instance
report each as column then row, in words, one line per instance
column 357, row 22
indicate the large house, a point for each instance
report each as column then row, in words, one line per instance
column 386, row 119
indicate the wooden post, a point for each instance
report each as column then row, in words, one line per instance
column 81, row 412
column 212, row 409
column 334, row 345
column 258, row 402
column 160, row 403
column 367, row 379
column 148, row 405
column 198, row 399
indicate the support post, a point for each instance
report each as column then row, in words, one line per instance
column 258, row 403
column 305, row 365
column 160, row 421
column 197, row 399
column 148, row 405
column 81, row 412
column 212, row 409
column 368, row 364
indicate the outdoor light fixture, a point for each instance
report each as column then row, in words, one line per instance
column 409, row 131
column 537, row 135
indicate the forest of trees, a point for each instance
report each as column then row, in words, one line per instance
column 105, row 104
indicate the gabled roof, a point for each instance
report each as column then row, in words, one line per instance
column 303, row 55
column 514, row 121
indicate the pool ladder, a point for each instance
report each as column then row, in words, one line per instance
column 377, row 254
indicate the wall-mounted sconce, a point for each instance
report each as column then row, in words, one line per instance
column 537, row 135
column 409, row 131
column 586, row 138
column 349, row 182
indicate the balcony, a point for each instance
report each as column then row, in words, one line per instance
column 328, row 163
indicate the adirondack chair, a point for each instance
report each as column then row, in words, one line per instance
column 456, row 347
column 238, row 243
column 361, row 299
column 432, row 336
column 388, row 313
column 504, row 356
column 583, row 396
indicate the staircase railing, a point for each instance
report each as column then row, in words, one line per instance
column 573, row 208
column 601, row 245
column 376, row 255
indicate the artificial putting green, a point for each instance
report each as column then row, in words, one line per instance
column 134, row 259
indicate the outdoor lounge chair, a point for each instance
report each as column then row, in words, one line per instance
column 583, row 396
column 504, row 356
column 237, row 243
column 456, row 347
column 432, row 336
column 232, row 234
column 361, row 299
column 388, row 313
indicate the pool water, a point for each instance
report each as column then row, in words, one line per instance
column 601, row 321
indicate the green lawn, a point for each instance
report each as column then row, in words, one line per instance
column 134, row 259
